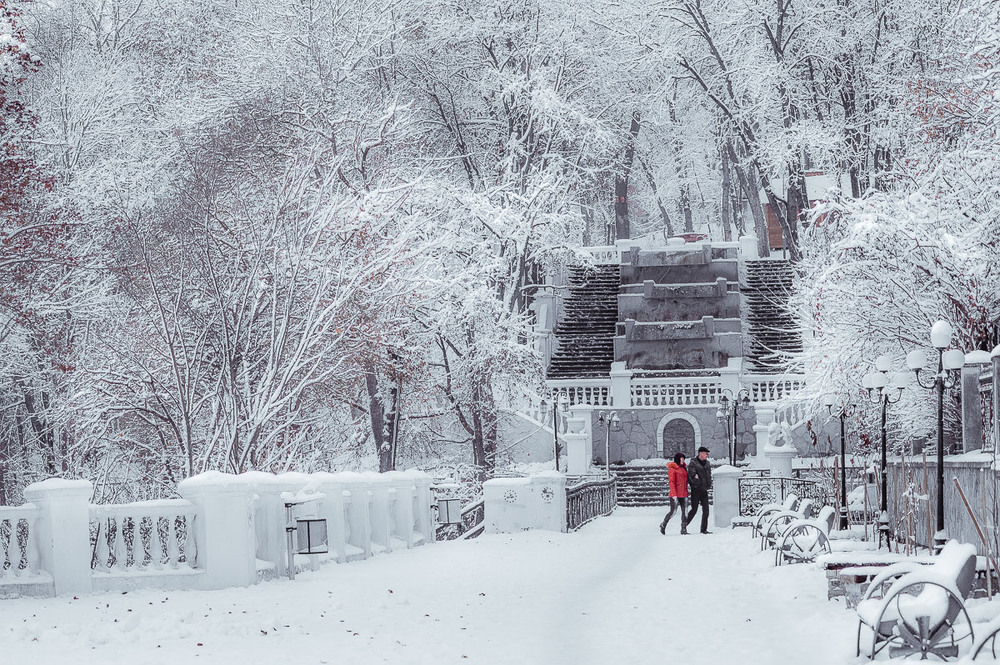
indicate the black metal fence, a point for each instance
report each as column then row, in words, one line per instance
column 755, row 492
column 471, row 526
column 590, row 499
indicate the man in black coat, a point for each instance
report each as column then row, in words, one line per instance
column 700, row 480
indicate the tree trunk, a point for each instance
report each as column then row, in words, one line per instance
column 750, row 189
column 622, row 229
column 727, row 186
column 376, row 411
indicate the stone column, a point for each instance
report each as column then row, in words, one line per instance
column 621, row 386
column 63, row 535
column 224, row 528
column 549, row 497
column 764, row 411
column 726, row 500
column 579, row 447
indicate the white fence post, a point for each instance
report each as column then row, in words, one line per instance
column 549, row 496
column 726, row 500
column 423, row 519
column 64, row 532
column 224, row 528
column 402, row 507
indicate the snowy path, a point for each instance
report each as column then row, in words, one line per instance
column 615, row 592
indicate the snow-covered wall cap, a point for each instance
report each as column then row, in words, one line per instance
column 978, row 358
column 258, row 478
column 212, row 481
column 375, row 478
column 727, row 470
column 507, row 482
column 551, row 473
column 417, row 474
column 61, row 485
column 996, row 351
column 398, row 477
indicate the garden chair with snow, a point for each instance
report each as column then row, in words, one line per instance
column 779, row 521
column 923, row 610
column 804, row 540
column 762, row 516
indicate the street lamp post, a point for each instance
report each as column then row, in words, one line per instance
column 729, row 403
column 949, row 362
column 560, row 403
column 879, row 380
column 609, row 420
column 844, row 411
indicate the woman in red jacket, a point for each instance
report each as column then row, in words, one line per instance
column 678, row 478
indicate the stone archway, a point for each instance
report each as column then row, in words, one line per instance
column 678, row 432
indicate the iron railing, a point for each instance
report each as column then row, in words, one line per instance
column 756, row 492
column 472, row 524
column 588, row 500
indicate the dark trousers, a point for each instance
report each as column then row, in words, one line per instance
column 699, row 498
column 673, row 508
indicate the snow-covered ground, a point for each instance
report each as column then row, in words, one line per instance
column 614, row 592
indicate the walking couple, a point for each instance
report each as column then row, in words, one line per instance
column 697, row 475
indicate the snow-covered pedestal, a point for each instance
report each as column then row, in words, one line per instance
column 779, row 460
column 519, row 504
column 726, row 502
column 763, row 430
column 579, row 446
column 63, row 532
column 423, row 520
column 224, row 529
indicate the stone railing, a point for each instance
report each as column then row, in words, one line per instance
column 606, row 254
column 590, row 500
column 772, row 388
column 673, row 391
column 225, row 531
column 625, row 389
column 20, row 560
column 149, row 537
column 596, row 392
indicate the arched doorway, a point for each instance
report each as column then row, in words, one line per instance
column 678, row 432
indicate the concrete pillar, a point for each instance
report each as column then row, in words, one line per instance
column 726, row 499
column 621, row 386
column 423, row 519
column 972, row 417
column 748, row 248
column 224, row 528
column 579, row 448
column 548, row 490
column 63, row 532
column 402, row 507
column 780, row 460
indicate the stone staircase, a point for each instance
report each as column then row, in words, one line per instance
column 771, row 331
column 642, row 485
column 585, row 332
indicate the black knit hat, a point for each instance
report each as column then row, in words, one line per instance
column 678, row 457
column 703, row 449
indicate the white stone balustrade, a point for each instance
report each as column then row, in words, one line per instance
column 20, row 559
column 227, row 530
column 518, row 504
column 153, row 539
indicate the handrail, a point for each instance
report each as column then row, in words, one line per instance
column 589, row 500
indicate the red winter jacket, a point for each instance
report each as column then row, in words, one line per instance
column 678, row 476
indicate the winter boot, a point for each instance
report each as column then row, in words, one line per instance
column 684, row 528
column 663, row 528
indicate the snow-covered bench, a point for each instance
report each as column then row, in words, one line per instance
column 915, row 609
column 805, row 539
column 766, row 511
column 777, row 522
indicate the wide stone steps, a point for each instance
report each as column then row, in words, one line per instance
column 772, row 331
column 585, row 332
column 642, row 485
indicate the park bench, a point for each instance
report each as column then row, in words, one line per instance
column 762, row 516
column 778, row 521
column 805, row 539
column 916, row 609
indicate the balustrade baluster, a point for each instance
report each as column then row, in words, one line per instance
column 5, row 544
column 118, row 547
column 156, row 545
column 190, row 540
column 103, row 552
column 31, row 546
column 138, row 550
column 173, row 549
